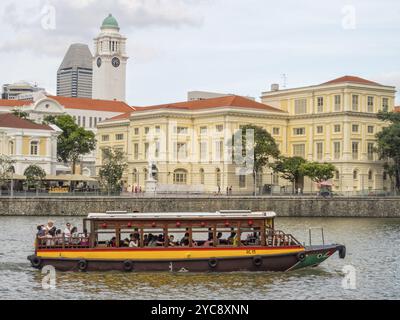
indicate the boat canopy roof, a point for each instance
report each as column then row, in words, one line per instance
column 233, row 214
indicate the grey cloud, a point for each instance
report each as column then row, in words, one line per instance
column 80, row 20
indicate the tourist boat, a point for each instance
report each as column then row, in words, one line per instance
column 224, row 241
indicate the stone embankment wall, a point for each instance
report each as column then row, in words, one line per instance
column 284, row 206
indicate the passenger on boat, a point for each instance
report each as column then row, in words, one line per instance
column 41, row 232
column 134, row 241
column 186, row 240
column 67, row 230
column 152, row 241
column 125, row 243
column 58, row 237
column 113, row 242
column 232, row 237
column 50, row 228
column 146, row 240
column 84, row 237
column 171, row 241
column 160, row 240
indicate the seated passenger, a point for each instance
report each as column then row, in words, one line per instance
column 185, row 240
column 231, row 237
column 146, row 240
column 152, row 241
column 113, row 242
column 84, row 238
column 40, row 231
column 171, row 241
column 58, row 237
column 134, row 242
column 160, row 240
column 125, row 243
column 219, row 240
column 210, row 241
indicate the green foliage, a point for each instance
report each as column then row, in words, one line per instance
column 388, row 145
column 20, row 114
column 6, row 165
column 264, row 147
column 318, row 172
column 114, row 165
column 290, row 168
column 34, row 176
column 74, row 142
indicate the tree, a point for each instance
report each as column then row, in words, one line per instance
column 290, row 168
column 74, row 142
column 21, row 114
column 318, row 172
column 114, row 165
column 6, row 169
column 388, row 145
column 263, row 147
column 34, row 176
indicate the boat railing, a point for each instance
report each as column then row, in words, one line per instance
column 278, row 238
column 63, row 242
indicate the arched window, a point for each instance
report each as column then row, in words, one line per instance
column 34, row 148
column 202, row 176
column 180, row 176
column 218, row 177
column 11, row 148
column 370, row 175
column 134, row 176
column 355, row 174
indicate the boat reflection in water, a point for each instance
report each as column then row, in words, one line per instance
column 225, row 241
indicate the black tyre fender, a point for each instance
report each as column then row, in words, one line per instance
column 301, row 256
column 213, row 263
column 36, row 262
column 128, row 265
column 258, row 261
column 342, row 252
column 82, row 265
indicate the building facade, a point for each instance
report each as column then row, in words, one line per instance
column 109, row 62
column 28, row 143
column 187, row 144
column 19, row 90
column 75, row 74
column 336, row 122
column 86, row 112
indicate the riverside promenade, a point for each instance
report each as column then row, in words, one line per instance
column 288, row 206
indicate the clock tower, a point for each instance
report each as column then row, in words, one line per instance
column 109, row 62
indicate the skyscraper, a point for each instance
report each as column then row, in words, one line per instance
column 109, row 62
column 75, row 75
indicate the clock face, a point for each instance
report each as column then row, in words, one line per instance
column 116, row 62
column 99, row 62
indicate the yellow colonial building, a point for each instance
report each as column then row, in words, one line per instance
column 28, row 143
column 187, row 144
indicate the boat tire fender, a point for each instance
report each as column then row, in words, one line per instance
column 36, row 262
column 258, row 261
column 82, row 265
column 128, row 265
column 301, row 256
column 342, row 252
column 213, row 263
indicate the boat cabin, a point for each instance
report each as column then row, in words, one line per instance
column 116, row 229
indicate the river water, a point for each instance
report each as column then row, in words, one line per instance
column 373, row 249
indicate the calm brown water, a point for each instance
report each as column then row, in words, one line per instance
column 373, row 248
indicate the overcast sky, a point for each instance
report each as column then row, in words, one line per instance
column 232, row 46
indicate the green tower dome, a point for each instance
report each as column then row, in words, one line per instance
column 110, row 23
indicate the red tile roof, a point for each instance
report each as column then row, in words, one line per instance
column 8, row 120
column 123, row 116
column 397, row 109
column 14, row 103
column 352, row 79
column 228, row 101
column 93, row 104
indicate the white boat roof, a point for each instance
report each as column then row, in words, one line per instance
column 174, row 215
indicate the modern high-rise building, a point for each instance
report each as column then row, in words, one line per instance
column 109, row 62
column 75, row 75
column 20, row 91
